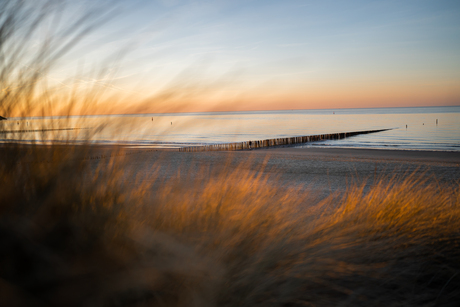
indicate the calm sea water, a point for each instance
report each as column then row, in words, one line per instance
column 184, row 129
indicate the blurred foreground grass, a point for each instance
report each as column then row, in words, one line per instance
column 78, row 233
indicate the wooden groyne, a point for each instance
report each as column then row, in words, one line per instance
column 248, row 145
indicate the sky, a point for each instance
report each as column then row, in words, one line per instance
column 195, row 56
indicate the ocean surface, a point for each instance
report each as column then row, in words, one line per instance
column 428, row 128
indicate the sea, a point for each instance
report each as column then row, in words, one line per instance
column 415, row 128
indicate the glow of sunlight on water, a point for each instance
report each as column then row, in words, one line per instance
column 176, row 130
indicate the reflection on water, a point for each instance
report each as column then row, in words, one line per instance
column 176, row 130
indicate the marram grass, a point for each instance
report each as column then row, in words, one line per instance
column 76, row 232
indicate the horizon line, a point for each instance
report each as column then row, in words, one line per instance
column 240, row 111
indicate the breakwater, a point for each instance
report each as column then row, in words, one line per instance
column 248, row 145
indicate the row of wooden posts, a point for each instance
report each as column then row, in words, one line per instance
column 247, row 145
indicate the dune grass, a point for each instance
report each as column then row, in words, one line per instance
column 76, row 232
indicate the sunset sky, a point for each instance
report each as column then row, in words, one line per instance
column 267, row 55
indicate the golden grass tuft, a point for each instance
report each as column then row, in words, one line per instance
column 223, row 238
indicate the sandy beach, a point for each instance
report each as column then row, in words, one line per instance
column 359, row 154
column 324, row 170
column 331, row 167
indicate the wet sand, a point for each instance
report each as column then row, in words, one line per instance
column 358, row 154
column 324, row 170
